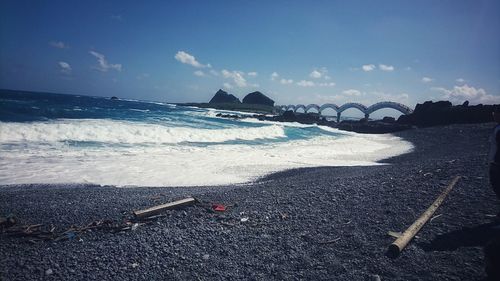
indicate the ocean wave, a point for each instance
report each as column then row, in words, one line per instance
column 114, row 131
column 180, row 165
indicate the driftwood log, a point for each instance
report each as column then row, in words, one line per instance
column 400, row 243
column 157, row 209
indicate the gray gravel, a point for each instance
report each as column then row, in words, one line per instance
column 315, row 223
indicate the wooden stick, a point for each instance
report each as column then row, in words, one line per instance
column 157, row 209
column 399, row 244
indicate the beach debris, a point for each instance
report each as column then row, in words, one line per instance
column 400, row 243
column 218, row 207
column 329, row 241
column 427, row 174
column 244, row 219
column 283, row 216
column 435, row 217
column 37, row 232
column 394, row 234
column 168, row 206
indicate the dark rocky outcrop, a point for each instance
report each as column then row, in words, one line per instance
column 372, row 127
column 443, row 113
column 114, row 98
column 258, row 98
column 223, row 97
column 230, row 116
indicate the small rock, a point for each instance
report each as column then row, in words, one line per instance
column 206, row 256
column 134, row 265
column 245, row 219
column 376, row 277
column 134, row 226
column 48, row 272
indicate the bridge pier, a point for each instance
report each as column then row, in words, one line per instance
column 366, row 116
column 338, row 116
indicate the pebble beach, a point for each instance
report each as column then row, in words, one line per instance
column 325, row 223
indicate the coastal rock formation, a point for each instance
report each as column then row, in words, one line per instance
column 258, row 98
column 443, row 113
column 372, row 127
column 223, row 97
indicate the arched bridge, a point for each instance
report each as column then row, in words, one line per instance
column 339, row 109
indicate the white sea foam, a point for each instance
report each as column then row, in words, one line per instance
column 45, row 158
column 112, row 131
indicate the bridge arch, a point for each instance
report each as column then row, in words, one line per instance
column 358, row 106
column 299, row 106
column 290, row 107
column 329, row 105
column 310, row 106
column 389, row 104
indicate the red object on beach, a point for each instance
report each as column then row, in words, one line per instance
column 219, row 207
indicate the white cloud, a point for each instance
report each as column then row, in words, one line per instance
column 214, row 72
column 104, row 66
column 408, row 68
column 305, row 83
column 315, row 74
column 65, row 67
column 199, row 73
column 368, row 67
column 253, row 73
column 460, row 80
column 274, row 76
column 427, row 79
column 385, row 67
column 459, row 94
column 186, row 58
column 351, row 92
column 286, row 81
column 320, row 73
column 58, row 44
column 227, row 86
column 325, row 84
column 237, row 77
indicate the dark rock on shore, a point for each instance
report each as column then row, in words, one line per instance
column 386, row 125
column 258, row 98
column 231, row 116
column 443, row 113
column 302, row 118
column 372, row 127
column 223, row 97
column 114, row 98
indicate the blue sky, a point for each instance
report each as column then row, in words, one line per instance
column 293, row 51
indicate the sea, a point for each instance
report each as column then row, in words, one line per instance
column 50, row 138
